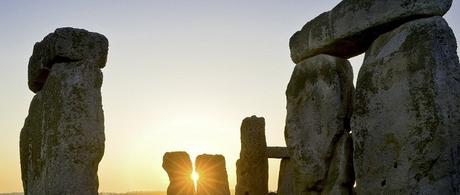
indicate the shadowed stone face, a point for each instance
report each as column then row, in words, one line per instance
column 213, row 178
column 179, row 168
column 350, row 27
column 286, row 178
column 317, row 125
column 277, row 152
column 65, row 45
column 406, row 119
column 62, row 140
column 252, row 167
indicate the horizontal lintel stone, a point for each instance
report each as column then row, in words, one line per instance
column 349, row 28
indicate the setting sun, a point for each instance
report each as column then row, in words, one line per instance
column 195, row 176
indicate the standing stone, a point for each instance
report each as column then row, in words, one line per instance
column 317, row 125
column 286, row 178
column 351, row 26
column 62, row 140
column 406, row 120
column 277, row 152
column 179, row 168
column 212, row 173
column 252, row 167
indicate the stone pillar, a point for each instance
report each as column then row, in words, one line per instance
column 286, row 178
column 317, row 125
column 213, row 179
column 252, row 167
column 62, row 140
column 277, row 152
column 179, row 168
column 406, row 119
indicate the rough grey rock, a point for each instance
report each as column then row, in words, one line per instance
column 179, row 168
column 277, row 152
column 65, row 45
column 317, row 123
column 406, row 119
column 213, row 175
column 349, row 28
column 252, row 167
column 62, row 140
column 286, row 178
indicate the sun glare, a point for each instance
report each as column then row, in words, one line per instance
column 195, row 177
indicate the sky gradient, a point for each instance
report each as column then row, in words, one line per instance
column 180, row 75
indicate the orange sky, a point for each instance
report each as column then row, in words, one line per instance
column 180, row 75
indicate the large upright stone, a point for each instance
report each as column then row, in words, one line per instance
column 277, row 152
column 350, row 27
column 252, row 167
column 286, row 178
column 62, row 140
column 317, row 125
column 213, row 179
column 406, row 119
column 179, row 168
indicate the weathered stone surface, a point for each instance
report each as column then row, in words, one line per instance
column 406, row 120
column 179, row 168
column 252, row 167
column 286, row 178
column 65, row 45
column 277, row 152
column 317, row 125
column 213, row 175
column 349, row 28
column 62, row 140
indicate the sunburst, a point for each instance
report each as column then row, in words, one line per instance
column 195, row 176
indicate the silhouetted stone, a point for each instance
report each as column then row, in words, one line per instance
column 277, row 152
column 406, row 119
column 252, row 167
column 349, row 28
column 179, row 168
column 62, row 140
column 317, row 125
column 213, row 175
column 63, row 46
column 286, row 178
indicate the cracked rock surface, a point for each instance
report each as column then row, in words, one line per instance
column 252, row 167
column 317, row 125
column 406, row 119
column 62, row 141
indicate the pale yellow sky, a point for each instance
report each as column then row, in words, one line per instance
column 181, row 75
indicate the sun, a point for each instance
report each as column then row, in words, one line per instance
column 195, row 176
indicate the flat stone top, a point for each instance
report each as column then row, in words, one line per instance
column 252, row 135
column 254, row 120
column 177, row 163
column 209, row 161
column 65, row 45
column 217, row 157
column 350, row 27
